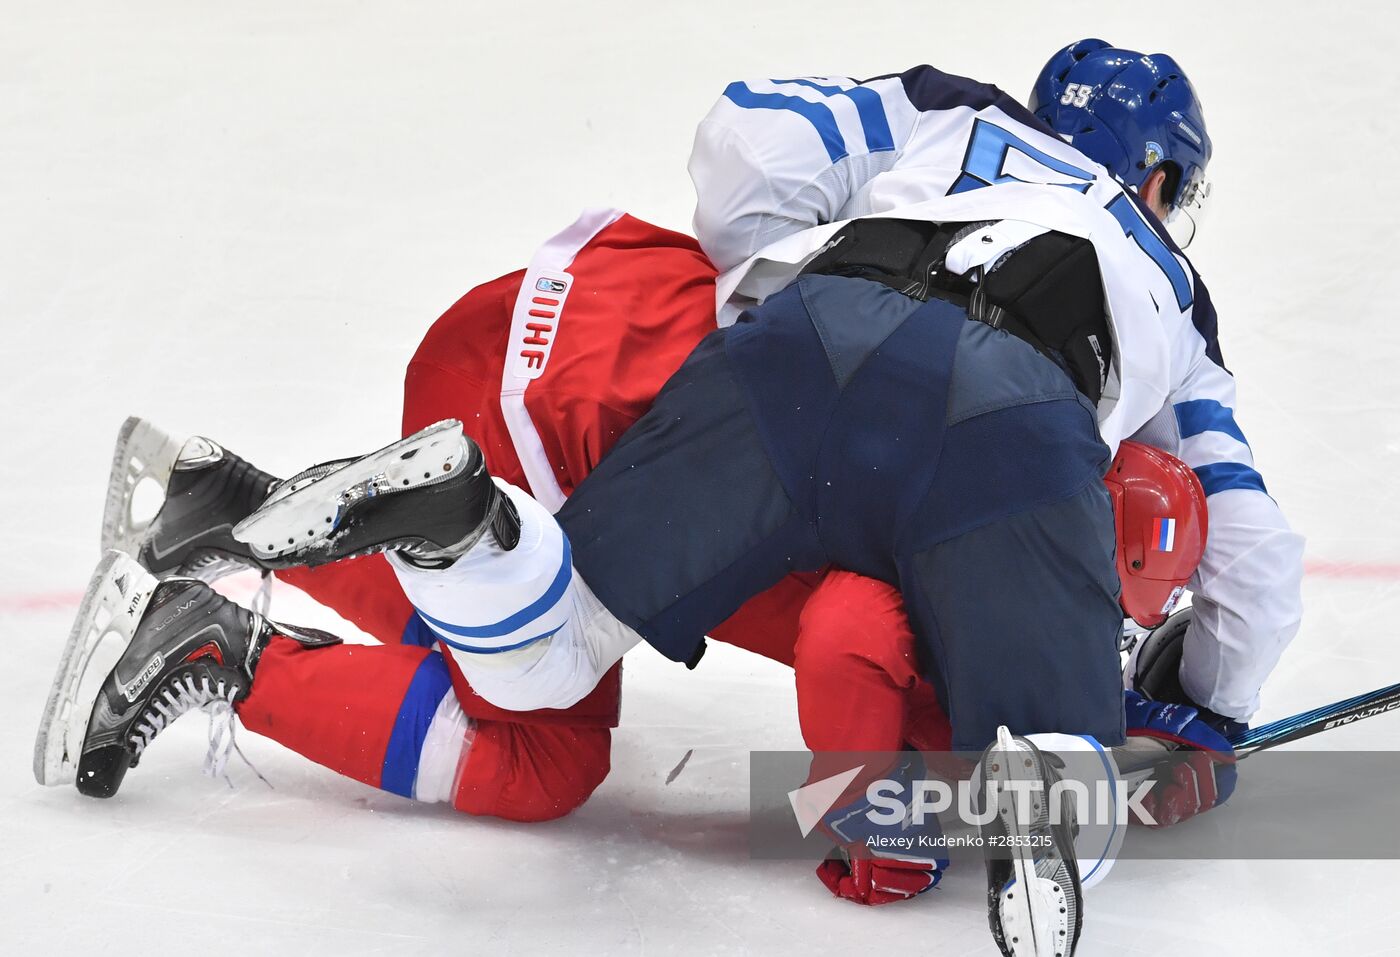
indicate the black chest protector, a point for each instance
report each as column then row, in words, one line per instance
column 1047, row 291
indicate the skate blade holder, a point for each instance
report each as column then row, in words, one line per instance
column 112, row 607
column 307, row 509
column 1032, row 910
column 142, row 461
column 1026, row 936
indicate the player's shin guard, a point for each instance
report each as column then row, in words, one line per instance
column 1034, row 901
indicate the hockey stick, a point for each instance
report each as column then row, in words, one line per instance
column 1325, row 718
column 1284, row 730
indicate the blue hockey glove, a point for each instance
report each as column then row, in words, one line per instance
column 1200, row 772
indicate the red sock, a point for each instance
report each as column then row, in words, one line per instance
column 356, row 709
column 364, row 711
column 363, row 591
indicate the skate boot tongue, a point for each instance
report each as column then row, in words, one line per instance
column 198, row 453
column 204, row 490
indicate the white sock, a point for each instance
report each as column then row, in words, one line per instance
column 444, row 753
column 524, row 628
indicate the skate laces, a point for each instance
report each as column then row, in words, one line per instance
column 183, row 695
column 223, row 723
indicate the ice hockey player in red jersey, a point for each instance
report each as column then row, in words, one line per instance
column 550, row 365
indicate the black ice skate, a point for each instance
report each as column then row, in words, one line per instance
column 428, row 497
column 142, row 652
column 1034, row 902
column 205, row 489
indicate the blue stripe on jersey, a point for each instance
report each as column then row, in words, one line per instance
column 417, row 632
column 984, row 162
column 1223, row 476
column 869, row 107
column 431, row 683
column 1203, row 315
column 1142, row 231
column 497, row 649
column 1207, row 415
column 818, row 115
column 522, row 617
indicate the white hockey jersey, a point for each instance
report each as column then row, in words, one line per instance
column 779, row 165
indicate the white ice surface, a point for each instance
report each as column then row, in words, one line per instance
column 239, row 218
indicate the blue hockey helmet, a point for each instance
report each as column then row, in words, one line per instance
column 1130, row 112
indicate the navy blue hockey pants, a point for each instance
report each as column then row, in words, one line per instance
column 843, row 423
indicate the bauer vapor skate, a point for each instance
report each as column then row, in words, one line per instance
column 204, row 491
column 143, row 652
column 1034, row 900
column 428, row 497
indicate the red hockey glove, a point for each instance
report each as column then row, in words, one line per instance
column 877, row 880
column 857, row 875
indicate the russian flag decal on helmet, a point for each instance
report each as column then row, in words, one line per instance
column 1164, row 534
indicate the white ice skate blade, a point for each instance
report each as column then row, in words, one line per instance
column 115, row 600
column 299, row 514
column 143, row 454
column 1031, row 908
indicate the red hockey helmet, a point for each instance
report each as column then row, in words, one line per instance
column 1159, row 511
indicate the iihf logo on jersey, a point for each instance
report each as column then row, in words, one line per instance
column 534, row 325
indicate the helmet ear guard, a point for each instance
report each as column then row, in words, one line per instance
column 1159, row 514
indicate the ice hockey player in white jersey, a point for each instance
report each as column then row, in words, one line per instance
column 782, row 167
column 775, row 160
